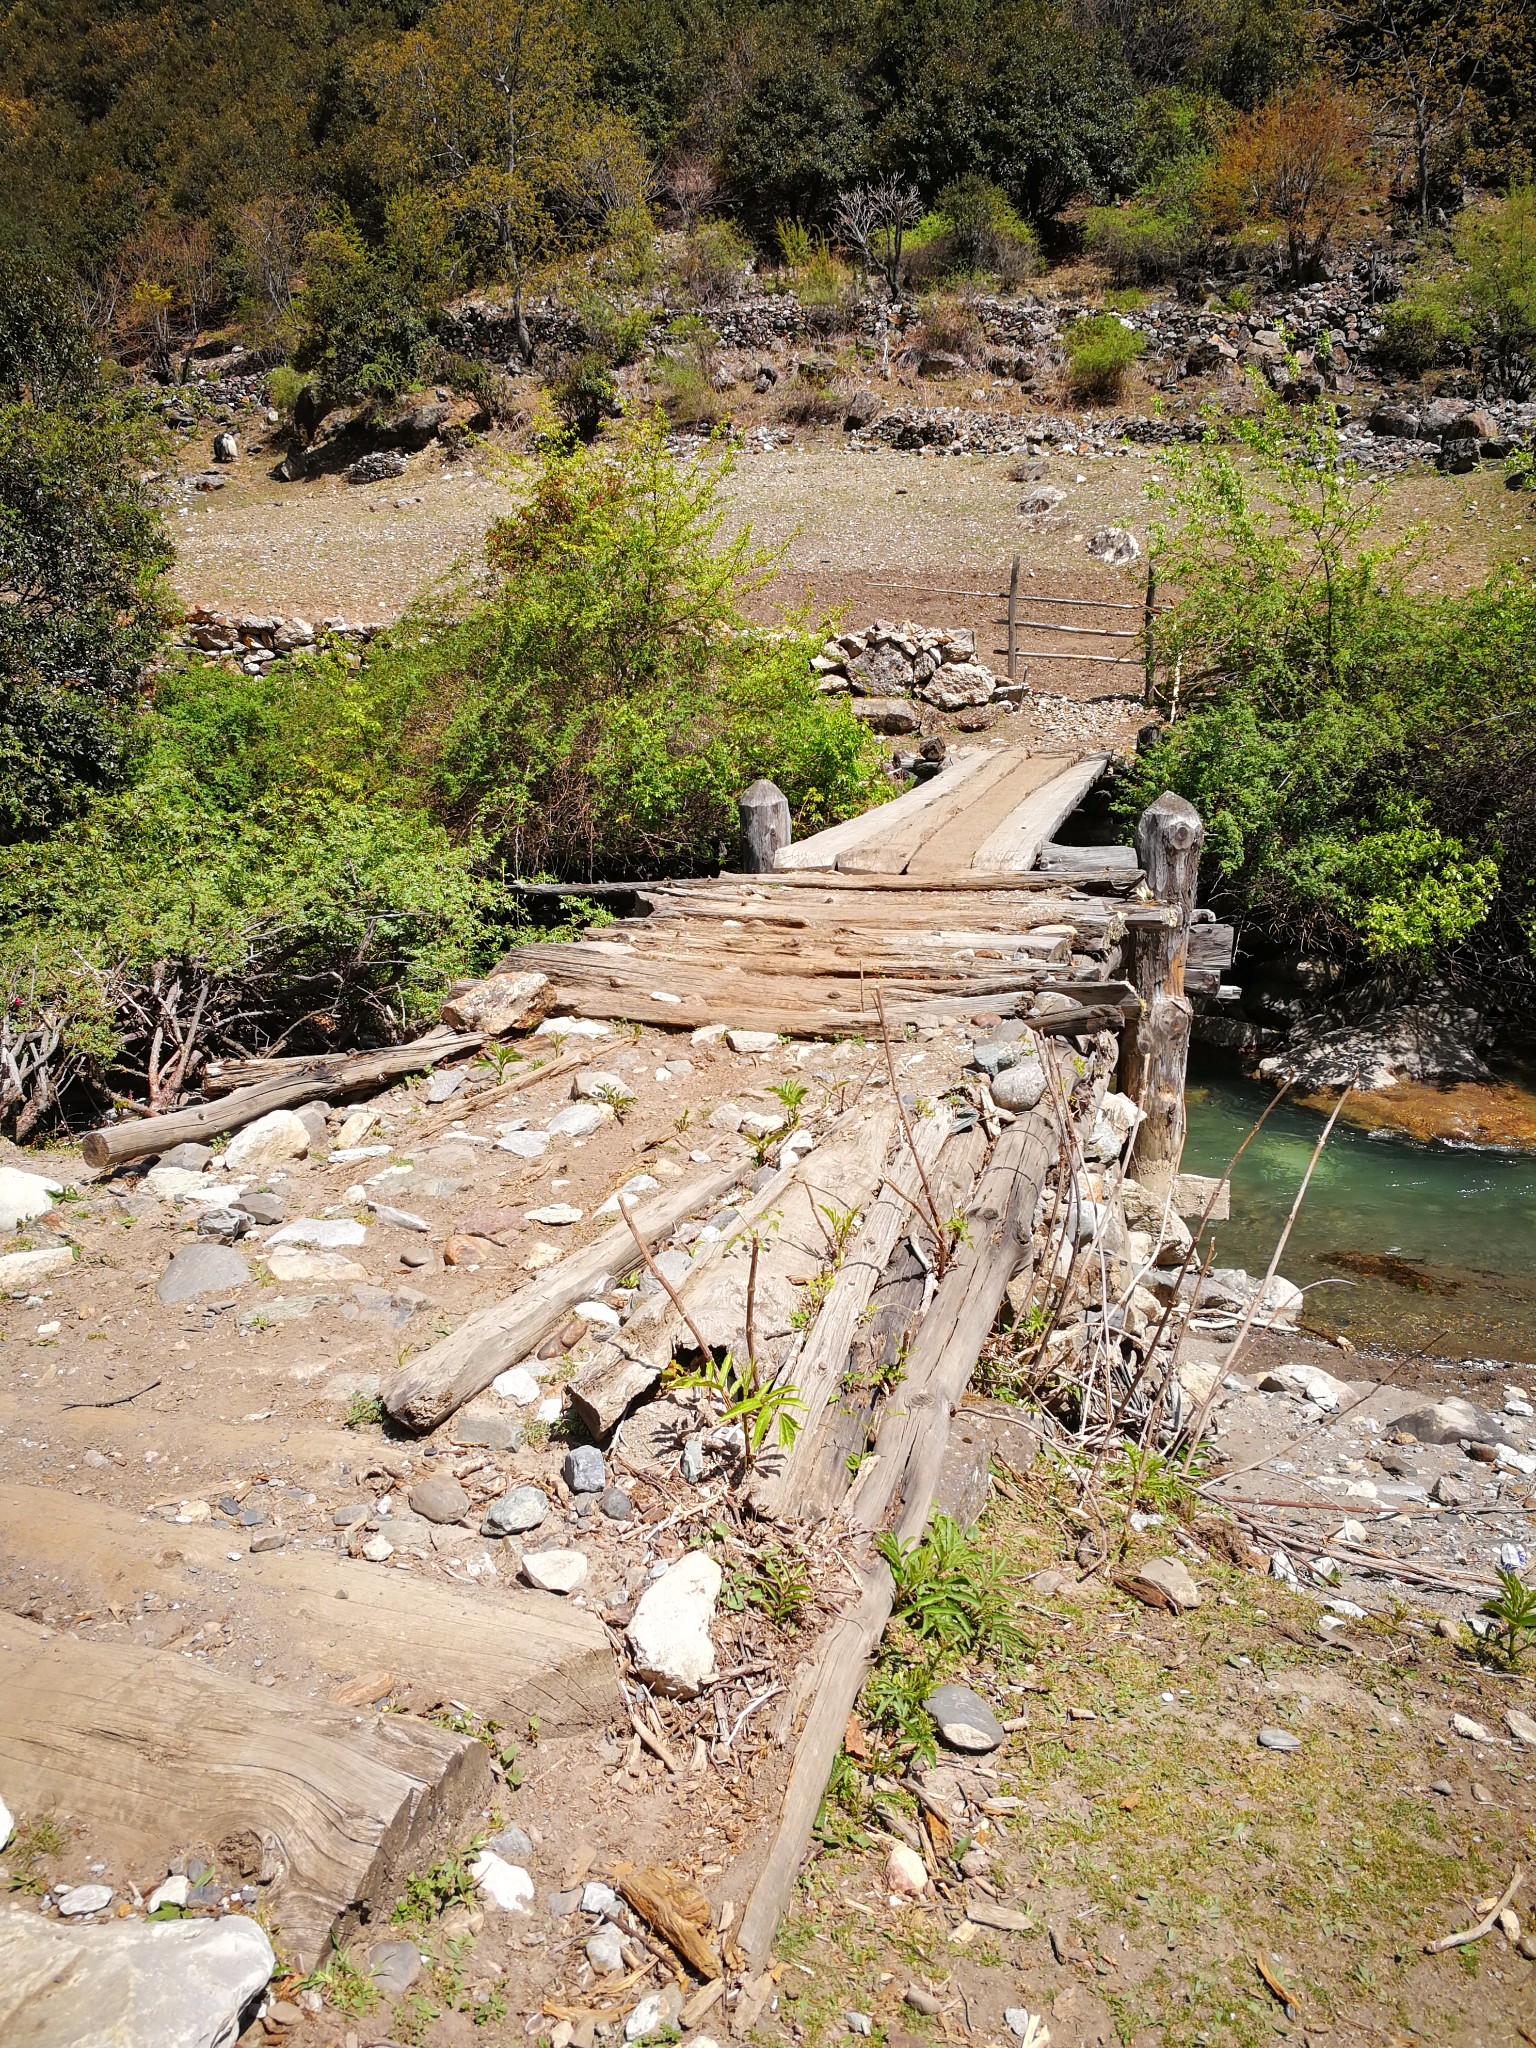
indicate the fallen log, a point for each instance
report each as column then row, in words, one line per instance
column 907, row 1466
column 823, row 1360
column 327, row 1075
column 438, row 1381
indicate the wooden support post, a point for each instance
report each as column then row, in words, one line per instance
column 1013, row 621
column 1154, row 1049
column 765, row 826
column 1148, row 635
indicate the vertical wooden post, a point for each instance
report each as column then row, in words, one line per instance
column 1149, row 647
column 1154, row 1050
column 765, row 825
column 1013, row 622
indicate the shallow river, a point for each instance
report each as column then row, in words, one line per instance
column 1450, row 1232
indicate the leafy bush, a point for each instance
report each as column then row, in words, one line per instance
column 1417, row 333
column 973, row 232
column 1477, row 305
column 83, row 552
column 367, row 316
column 710, row 266
column 1101, row 351
column 602, row 713
column 1138, row 241
column 1360, row 753
column 255, row 885
column 584, row 394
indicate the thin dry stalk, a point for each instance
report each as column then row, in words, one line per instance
column 940, row 1234
column 1194, row 1245
column 757, row 1245
column 663, row 1282
column 1274, row 1266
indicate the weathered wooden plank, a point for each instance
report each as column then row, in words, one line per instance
column 895, row 848
column 1056, row 859
column 825, row 849
column 431, row 1386
column 155, row 1755
column 612, row 1374
column 1093, row 880
column 914, row 1451
column 824, row 1355
column 1017, row 841
column 506, row 1653
column 968, row 830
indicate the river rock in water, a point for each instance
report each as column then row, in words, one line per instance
column 1420, row 1042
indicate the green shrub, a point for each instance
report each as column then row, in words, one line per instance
column 283, row 387
column 602, row 713
column 256, row 876
column 1418, row 334
column 584, row 394
column 711, row 265
column 1101, row 351
column 1349, row 741
column 1139, row 242
column 368, row 315
column 83, row 552
column 1478, row 304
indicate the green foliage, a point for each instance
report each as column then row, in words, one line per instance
column 974, row 231
column 764, row 1408
column 284, row 385
column 37, row 1839
column 364, row 1411
column 893, row 1707
column 602, row 712
column 344, row 1983
column 429, row 1893
column 256, row 875
column 1141, row 239
column 1349, row 742
column 1101, row 351
column 83, row 552
column 1477, row 303
column 950, row 1591
column 1512, row 1611
column 1420, row 331
column 367, row 314
column 584, row 394
column 775, row 1583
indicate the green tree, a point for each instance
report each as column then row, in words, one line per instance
column 602, row 713
column 1360, row 754
column 83, row 553
column 492, row 100
column 367, row 314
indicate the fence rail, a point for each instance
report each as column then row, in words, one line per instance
column 1148, row 611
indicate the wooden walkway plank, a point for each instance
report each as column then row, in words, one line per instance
column 506, row 1653
column 894, row 849
column 824, row 849
column 973, row 825
column 438, row 1381
column 906, row 1466
column 1016, row 843
column 155, row 1755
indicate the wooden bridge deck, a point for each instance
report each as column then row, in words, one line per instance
column 925, row 908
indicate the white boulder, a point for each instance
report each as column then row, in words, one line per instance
column 270, row 1141
column 669, row 1633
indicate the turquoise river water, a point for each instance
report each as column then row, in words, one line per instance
column 1403, row 1245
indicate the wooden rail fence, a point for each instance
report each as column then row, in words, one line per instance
column 1148, row 609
